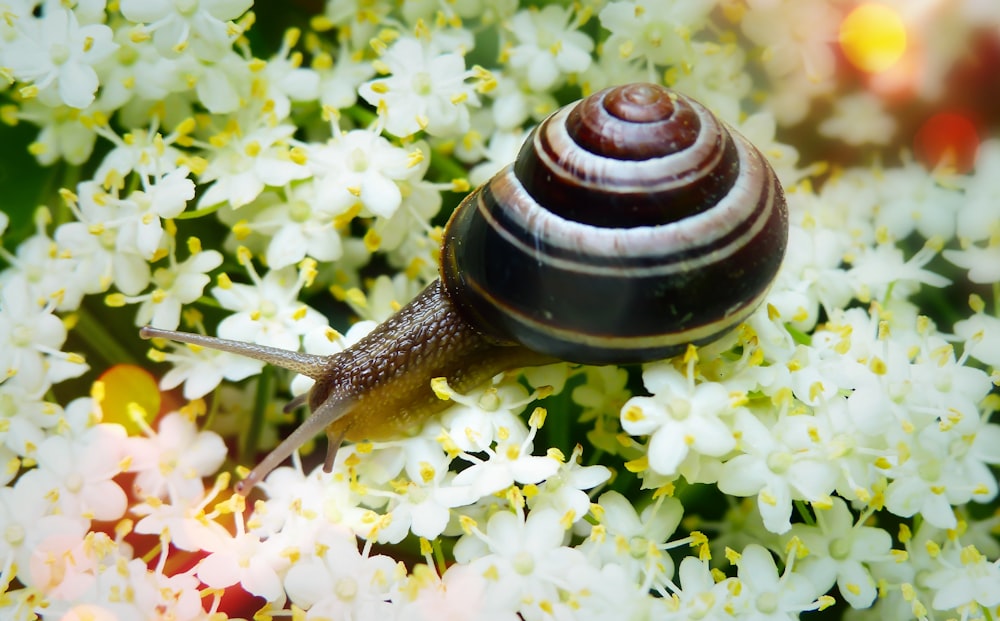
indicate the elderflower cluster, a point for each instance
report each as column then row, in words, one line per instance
column 207, row 166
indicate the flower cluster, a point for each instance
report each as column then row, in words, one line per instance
column 211, row 166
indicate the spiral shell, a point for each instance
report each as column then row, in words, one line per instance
column 633, row 223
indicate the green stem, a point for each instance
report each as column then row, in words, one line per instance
column 803, row 510
column 439, row 560
column 100, row 341
column 265, row 387
column 197, row 213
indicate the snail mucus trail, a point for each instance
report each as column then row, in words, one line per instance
column 631, row 224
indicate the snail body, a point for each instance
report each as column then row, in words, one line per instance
column 632, row 224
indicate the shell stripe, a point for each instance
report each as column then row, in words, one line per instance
column 696, row 334
column 581, row 248
column 553, row 143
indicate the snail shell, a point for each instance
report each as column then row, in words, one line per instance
column 633, row 223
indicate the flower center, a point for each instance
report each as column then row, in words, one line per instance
column 299, row 211
column 268, row 309
column 422, row 83
column 346, row 589
column 22, row 336
column 930, row 470
column 767, row 603
column 108, row 239
column 523, row 563
column 74, row 482
column 679, row 408
column 164, row 278
column 779, row 462
column 654, row 34
column 637, row 547
column 186, row 7
column 127, row 55
column 840, row 548
column 701, row 606
column 358, row 161
column 59, row 53
column 14, row 534
column 489, row 401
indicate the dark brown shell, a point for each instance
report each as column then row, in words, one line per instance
column 632, row 223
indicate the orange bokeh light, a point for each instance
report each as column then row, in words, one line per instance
column 125, row 384
column 873, row 37
column 947, row 139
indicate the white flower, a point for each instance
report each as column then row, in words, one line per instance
column 245, row 559
column 633, row 541
column 700, row 596
column 524, row 557
column 136, row 72
column 879, row 267
column 29, row 526
column 184, row 523
column 62, row 136
column 838, row 551
column 104, row 245
column 177, row 285
column 356, row 21
column 549, row 46
column 146, row 152
column 982, row 337
column 78, row 472
column 55, row 54
column 40, row 265
column 797, row 36
column 267, row 311
column 427, row 90
column 296, row 225
column 967, row 577
column 282, row 78
column 364, row 169
column 172, row 461
column 859, row 119
column 485, row 415
column 422, row 504
column 179, row 24
column 934, row 472
column 24, row 417
column 658, row 32
column 340, row 582
column 979, row 213
column 681, row 416
column 779, row 464
column 460, row 594
column 983, row 262
column 511, row 462
column 248, row 160
column 31, row 339
column 720, row 81
column 340, row 78
column 766, row 595
column 564, row 491
column 915, row 200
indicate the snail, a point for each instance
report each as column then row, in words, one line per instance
column 632, row 224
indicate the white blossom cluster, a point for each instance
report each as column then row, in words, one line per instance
column 839, row 447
